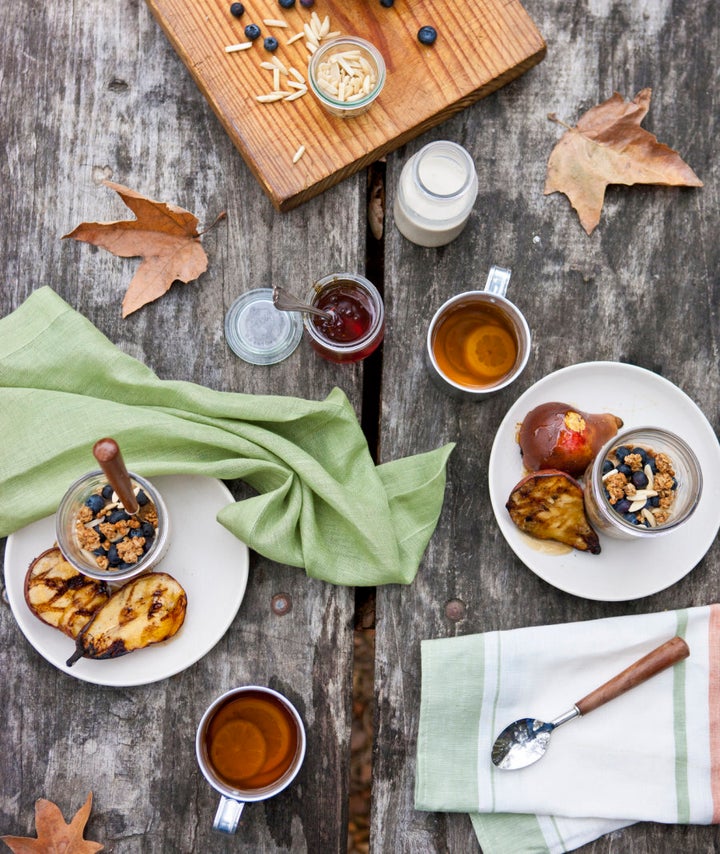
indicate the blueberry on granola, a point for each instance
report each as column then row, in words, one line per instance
column 95, row 502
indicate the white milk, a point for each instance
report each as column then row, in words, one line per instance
column 436, row 193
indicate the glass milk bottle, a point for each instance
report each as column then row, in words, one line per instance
column 436, row 193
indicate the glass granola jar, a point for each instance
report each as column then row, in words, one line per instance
column 115, row 552
column 666, row 484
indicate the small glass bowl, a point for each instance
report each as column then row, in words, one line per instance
column 367, row 55
column 687, row 474
column 368, row 295
column 84, row 561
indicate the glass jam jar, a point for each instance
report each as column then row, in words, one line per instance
column 436, row 193
column 357, row 325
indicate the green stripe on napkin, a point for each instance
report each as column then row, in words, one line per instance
column 321, row 501
column 652, row 754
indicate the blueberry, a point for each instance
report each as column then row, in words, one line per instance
column 107, row 491
column 607, row 466
column 148, row 544
column 427, row 35
column 270, row 43
column 147, row 529
column 631, row 518
column 653, row 465
column 626, row 470
column 252, row 31
column 286, row 4
column 142, row 498
column 308, row 4
column 622, row 506
column 136, row 532
column 113, row 556
column 654, row 501
column 95, row 503
column 621, row 452
column 639, row 479
column 387, row 3
column 237, row 10
column 100, row 552
column 118, row 515
column 674, row 483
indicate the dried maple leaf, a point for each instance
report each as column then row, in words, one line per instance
column 164, row 235
column 608, row 146
column 53, row 835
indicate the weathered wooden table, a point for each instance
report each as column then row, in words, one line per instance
column 94, row 91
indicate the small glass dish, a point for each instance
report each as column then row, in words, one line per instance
column 360, row 323
column 685, row 491
column 71, row 524
column 346, row 75
column 257, row 332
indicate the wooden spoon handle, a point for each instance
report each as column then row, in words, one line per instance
column 653, row 663
column 107, row 453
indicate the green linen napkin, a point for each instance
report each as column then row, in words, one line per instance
column 322, row 503
column 652, row 754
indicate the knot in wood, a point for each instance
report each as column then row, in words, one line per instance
column 455, row 610
column 281, row 604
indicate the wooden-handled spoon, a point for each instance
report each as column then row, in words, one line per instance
column 107, row 453
column 526, row 740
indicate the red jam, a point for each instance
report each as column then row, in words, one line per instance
column 354, row 321
column 353, row 313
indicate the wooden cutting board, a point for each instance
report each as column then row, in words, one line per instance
column 481, row 45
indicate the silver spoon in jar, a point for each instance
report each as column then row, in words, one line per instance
column 526, row 740
column 285, row 301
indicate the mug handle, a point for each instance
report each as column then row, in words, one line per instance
column 228, row 815
column 498, row 280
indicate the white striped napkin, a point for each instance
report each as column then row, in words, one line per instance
column 652, row 754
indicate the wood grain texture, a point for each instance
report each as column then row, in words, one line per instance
column 644, row 289
column 97, row 92
column 482, row 45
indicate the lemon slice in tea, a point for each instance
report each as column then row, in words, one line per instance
column 490, row 351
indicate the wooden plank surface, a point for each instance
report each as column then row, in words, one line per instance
column 481, row 45
column 644, row 289
column 97, row 93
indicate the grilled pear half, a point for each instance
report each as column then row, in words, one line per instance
column 549, row 505
column 147, row 610
column 61, row 596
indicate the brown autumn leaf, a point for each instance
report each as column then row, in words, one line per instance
column 164, row 235
column 608, row 146
column 54, row 836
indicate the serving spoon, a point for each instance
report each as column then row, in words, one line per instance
column 525, row 741
column 285, row 301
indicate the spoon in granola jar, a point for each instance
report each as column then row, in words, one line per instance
column 284, row 301
column 107, row 453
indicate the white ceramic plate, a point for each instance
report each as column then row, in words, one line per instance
column 624, row 569
column 210, row 563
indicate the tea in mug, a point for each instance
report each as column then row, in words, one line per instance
column 475, row 345
column 251, row 741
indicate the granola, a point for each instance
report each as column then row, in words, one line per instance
column 110, row 536
column 640, row 485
